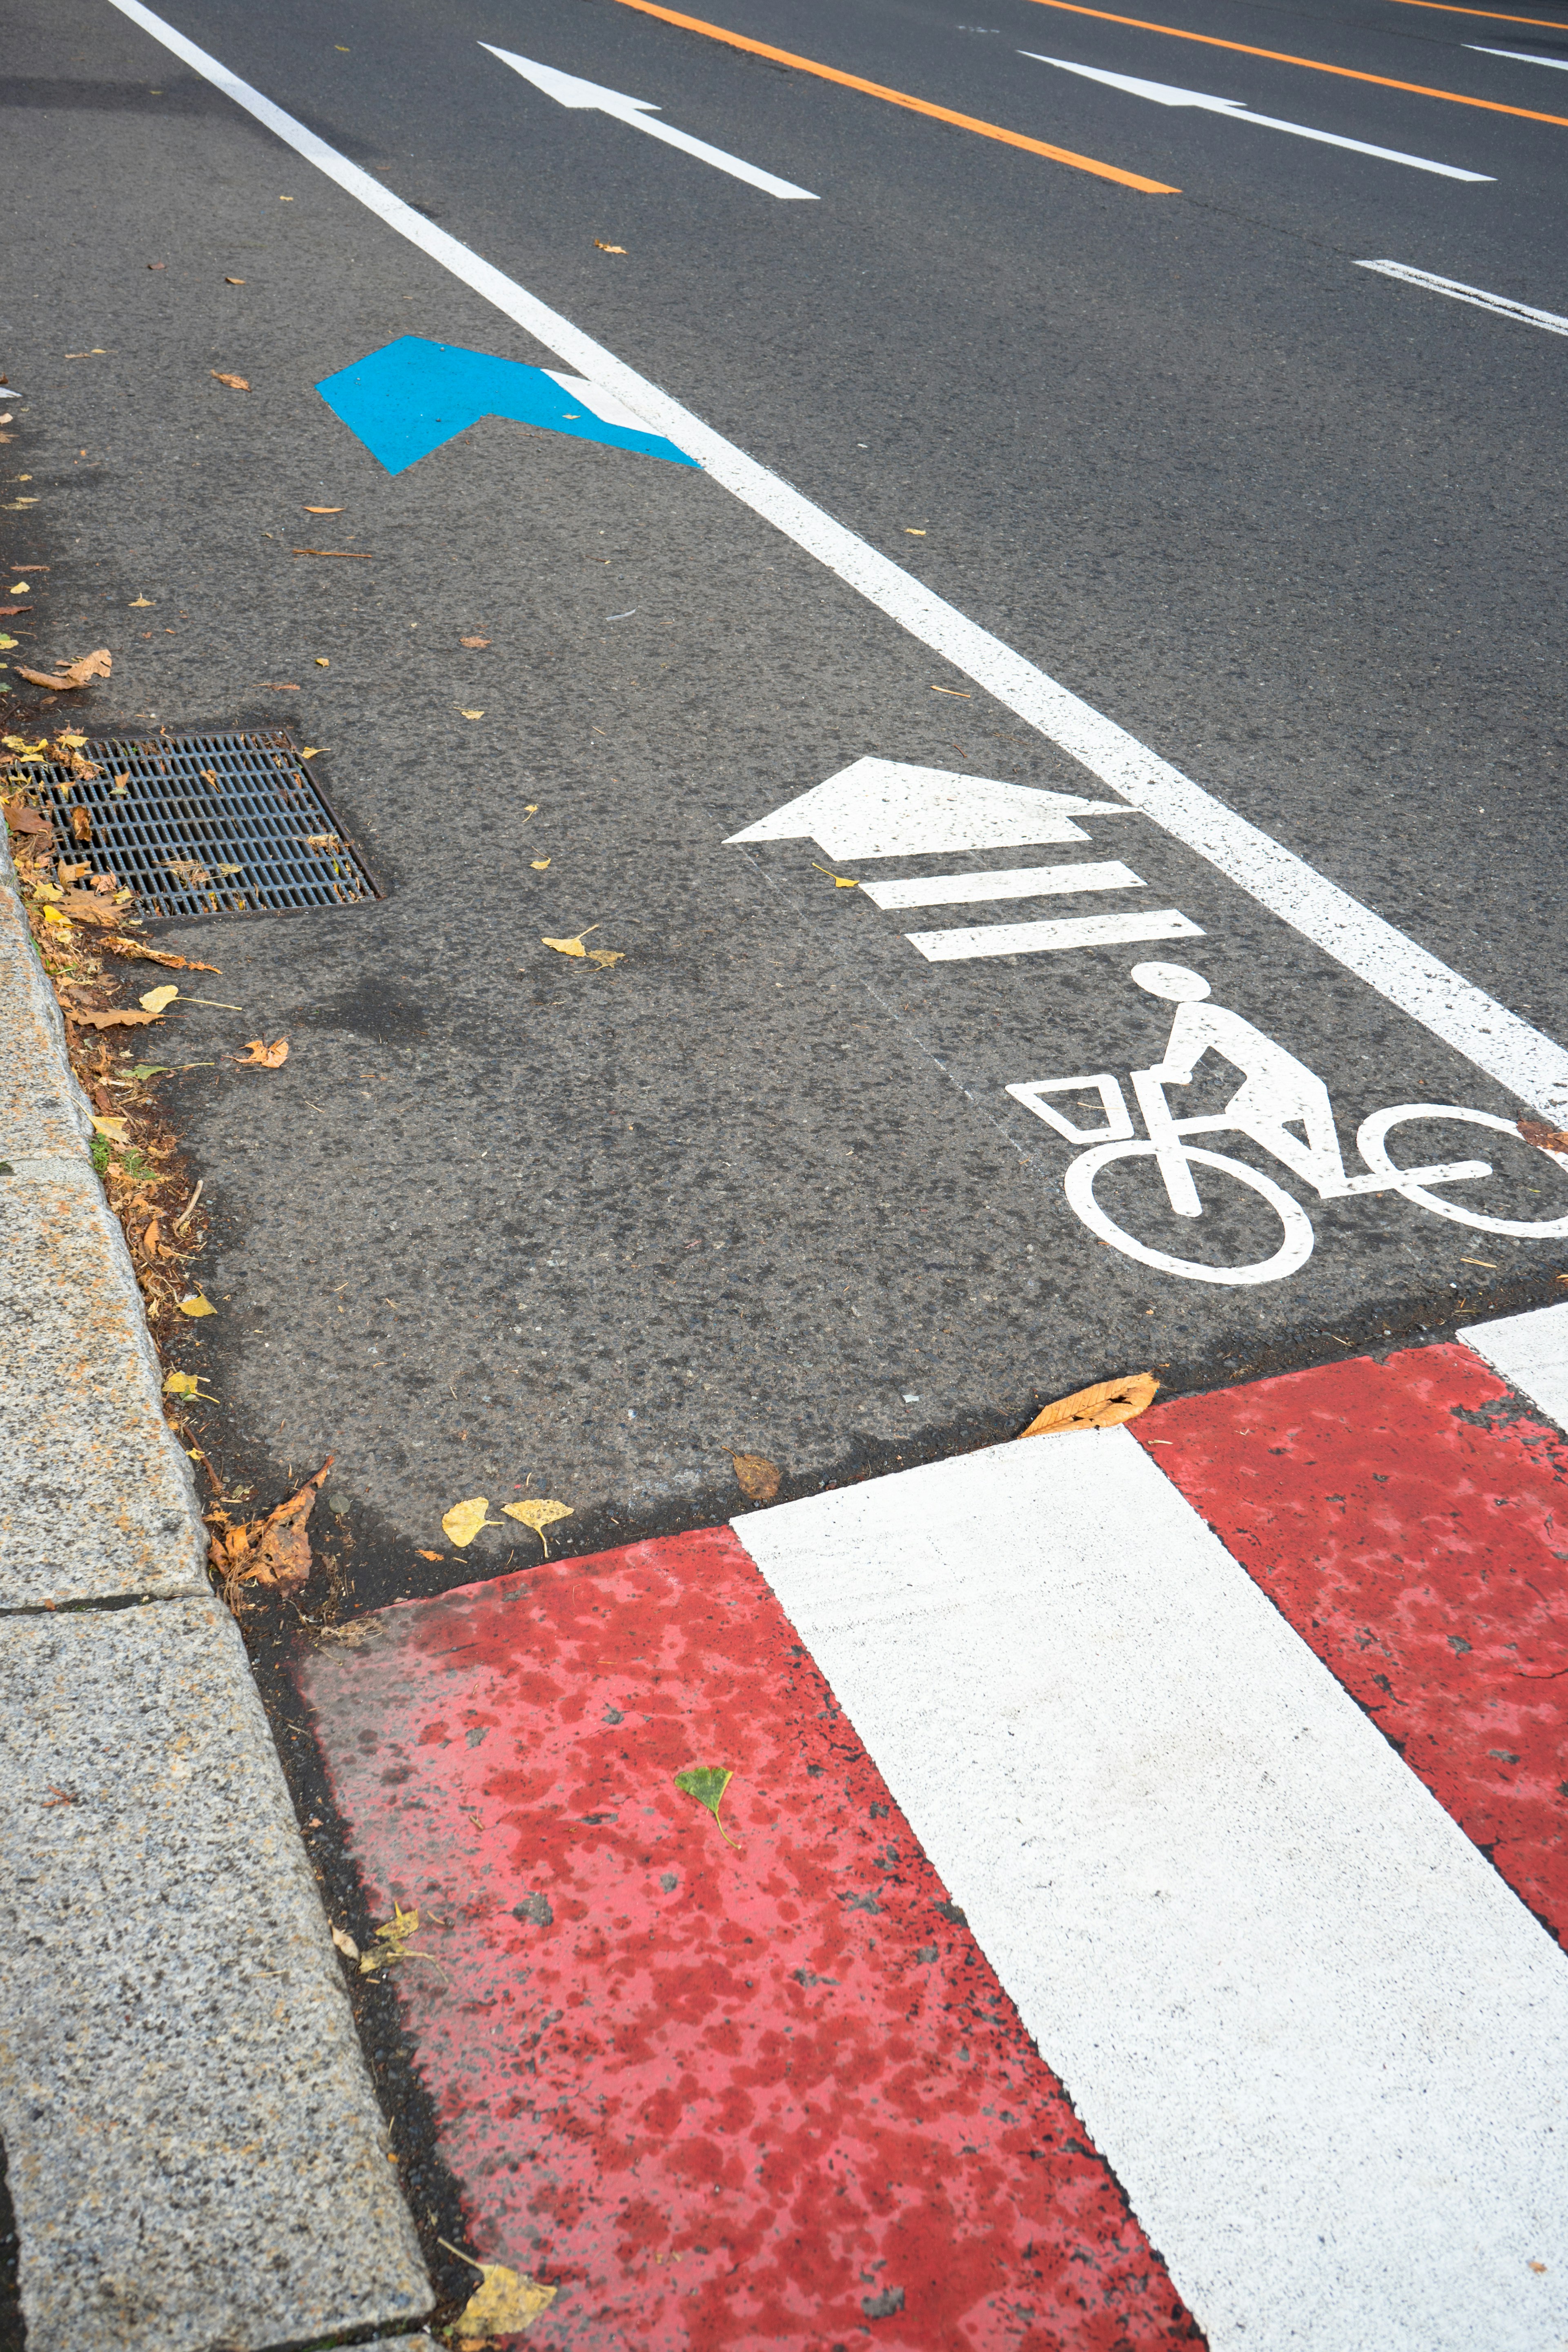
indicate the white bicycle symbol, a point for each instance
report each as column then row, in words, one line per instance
column 1280, row 1094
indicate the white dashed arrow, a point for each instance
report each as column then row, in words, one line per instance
column 568, row 90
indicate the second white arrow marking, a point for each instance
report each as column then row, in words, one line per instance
column 1164, row 93
column 568, row 89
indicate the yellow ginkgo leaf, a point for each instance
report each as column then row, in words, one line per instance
column 157, row 998
column 462, row 1523
column 569, row 947
column 538, row 1515
column 473, row 714
column 186, row 1384
column 540, row 863
column 198, row 1304
column 112, row 1129
column 839, row 881
column 507, row 2301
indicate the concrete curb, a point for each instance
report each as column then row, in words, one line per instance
column 195, row 2149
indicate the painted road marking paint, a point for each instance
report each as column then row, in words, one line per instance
column 1006, row 882
column 1530, row 1350
column 1281, row 58
column 1408, row 1526
column 568, row 89
column 1521, row 56
column 1551, row 321
column 1165, row 93
column 902, row 98
column 889, row 808
column 1447, row 8
column 1527, row 1063
column 1322, row 2042
column 1053, row 936
column 766, row 2094
column 413, row 397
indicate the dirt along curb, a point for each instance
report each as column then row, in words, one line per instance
column 195, row 2154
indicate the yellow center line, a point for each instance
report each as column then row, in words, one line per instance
column 901, row 98
column 1280, row 58
column 1494, row 16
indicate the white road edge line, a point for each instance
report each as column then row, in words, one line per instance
column 1551, row 321
column 1321, row 2043
column 1165, row 93
column 1521, row 1059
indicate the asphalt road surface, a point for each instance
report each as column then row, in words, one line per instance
column 515, row 1221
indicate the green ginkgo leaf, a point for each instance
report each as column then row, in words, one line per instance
column 707, row 1783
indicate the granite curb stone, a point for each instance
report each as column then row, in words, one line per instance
column 97, row 1501
column 195, row 2150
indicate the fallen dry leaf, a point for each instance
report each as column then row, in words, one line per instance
column 113, row 1020
column 467, row 714
column 839, row 881
column 278, row 1546
column 235, row 382
column 233, row 281
column 1544, row 1138
column 462, row 1523
column 606, row 957
column 71, row 674
column 757, row 1477
column 142, row 604
column 474, row 641
column 506, row 2304
column 112, row 1129
column 345, row 1943
column 569, row 947
column 1103, row 1406
column 187, row 1384
column 540, row 864
column 262, row 1056
column 81, row 824
column 157, row 998
column 538, row 1515
column 428, row 1555
column 198, row 1304
column 81, row 907
column 139, row 953
column 391, row 1942
column 325, row 509
column 608, row 249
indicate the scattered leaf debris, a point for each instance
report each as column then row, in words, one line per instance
column 707, row 1783
column 757, row 1477
column 259, row 1055
column 1103, row 1406
column 505, row 2304
column 537, row 1514
column 235, row 382
column 1544, row 1137
column 270, row 1554
column 462, row 1523
column 69, row 676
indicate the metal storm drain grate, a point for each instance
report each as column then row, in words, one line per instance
column 206, row 824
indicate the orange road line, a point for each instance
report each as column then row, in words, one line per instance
column 1494, row 16
column 1279, row 58
column 901, row 98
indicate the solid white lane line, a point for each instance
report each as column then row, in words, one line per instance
column 1008, row 882
column 1321, row 2043
column 1551, row 321
column 1530, row 1351
column 1529, row 1064
column 1040, row 939
column 1164, row 93
column 1521, row 56
column 570, row 90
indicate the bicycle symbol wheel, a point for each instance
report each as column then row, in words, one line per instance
column 1371, row 1143
column 1293, row 1250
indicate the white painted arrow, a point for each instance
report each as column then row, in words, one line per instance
column 568, row 90
column 1164, row 93
column 886, row 808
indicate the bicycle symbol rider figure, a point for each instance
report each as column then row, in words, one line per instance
column 1278, row 1092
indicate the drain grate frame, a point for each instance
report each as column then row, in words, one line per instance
column 218, row 823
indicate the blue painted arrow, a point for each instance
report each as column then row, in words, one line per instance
column 412, row 396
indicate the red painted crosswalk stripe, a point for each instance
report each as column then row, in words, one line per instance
column 768, row 2095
